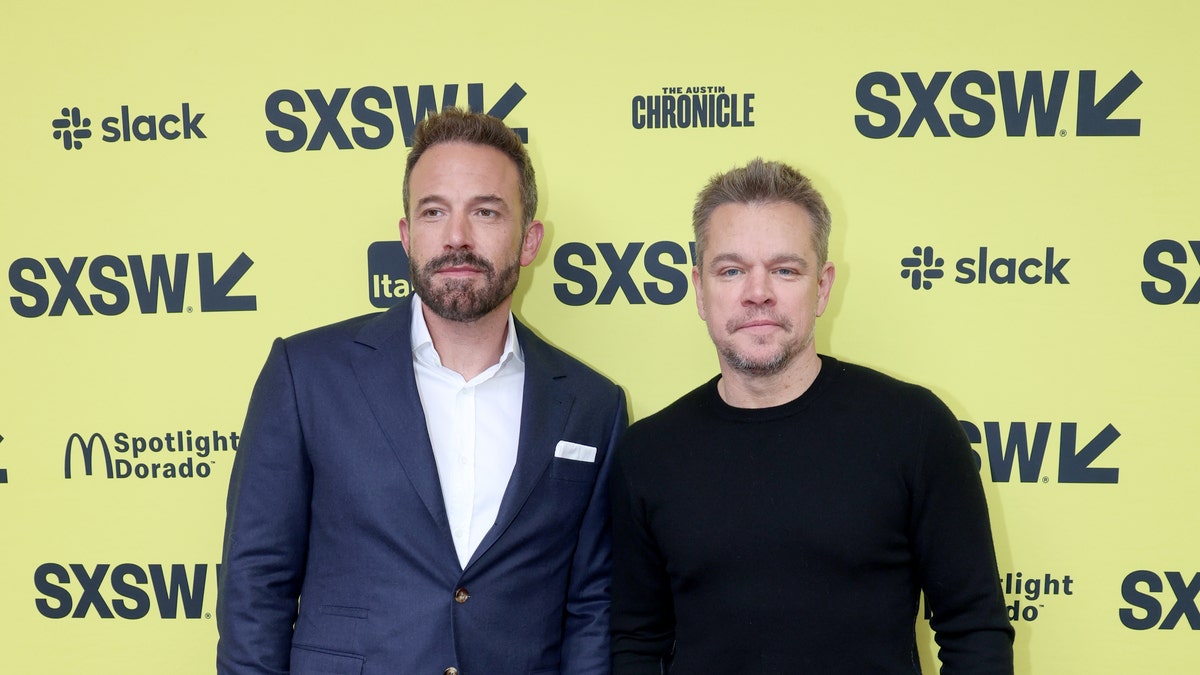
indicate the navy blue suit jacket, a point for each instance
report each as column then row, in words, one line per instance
column 338, row 555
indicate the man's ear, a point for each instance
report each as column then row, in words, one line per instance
column 531, row 241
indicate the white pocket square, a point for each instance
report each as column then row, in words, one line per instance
column 575, row 451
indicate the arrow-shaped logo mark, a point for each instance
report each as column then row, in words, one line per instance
column 1093, row 117
column 214, row 295
column 1076, row 467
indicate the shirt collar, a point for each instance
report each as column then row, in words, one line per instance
column 426, row 353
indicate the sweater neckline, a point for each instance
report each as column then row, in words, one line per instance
column 831, row 368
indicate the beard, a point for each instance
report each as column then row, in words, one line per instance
column 460, row 299
column 761, row 365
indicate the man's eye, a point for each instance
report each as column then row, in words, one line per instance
column 487, row 213
column 730, row 272
column 432, row 213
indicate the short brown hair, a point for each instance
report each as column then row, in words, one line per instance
column 453, row 125
column 762, row 182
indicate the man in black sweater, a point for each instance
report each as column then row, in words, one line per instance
column 785, row 516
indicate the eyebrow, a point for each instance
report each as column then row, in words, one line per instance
column 474, row 201
column 799, row 261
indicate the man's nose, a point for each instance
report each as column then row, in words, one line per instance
column 758, row 289
column 459, row 231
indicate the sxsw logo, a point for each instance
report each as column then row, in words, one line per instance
column 375, row 112
column 73, row 591
column 1141, row 589
column 118, row 283
column 387, row 273
column 71, row 128
column 975, row 109
column 924, row 267
column 1024, row 446
column 1174, row 280
column 637, row 272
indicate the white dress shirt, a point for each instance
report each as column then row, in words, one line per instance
column 473, row 426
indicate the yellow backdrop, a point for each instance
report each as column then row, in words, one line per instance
column 1012, row 187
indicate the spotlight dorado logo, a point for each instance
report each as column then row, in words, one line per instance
column 1026, row 594
column 175, row 454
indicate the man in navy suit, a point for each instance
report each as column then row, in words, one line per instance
column 423, row 490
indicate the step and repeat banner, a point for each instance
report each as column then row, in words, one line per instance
column 1014, row 227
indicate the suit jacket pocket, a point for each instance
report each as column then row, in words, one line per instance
column 313, row 661
column 353, row 612
column 572, row 470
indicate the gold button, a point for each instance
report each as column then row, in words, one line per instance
column 460, row 596
column 450, row 671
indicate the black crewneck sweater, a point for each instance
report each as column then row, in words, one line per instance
column 797, row 538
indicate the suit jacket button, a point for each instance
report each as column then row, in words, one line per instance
column 450, row 671
column 460, row 596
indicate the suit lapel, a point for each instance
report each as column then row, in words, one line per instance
column 384, row 368
column 544, row 408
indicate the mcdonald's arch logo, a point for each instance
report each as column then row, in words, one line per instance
column 86, row 451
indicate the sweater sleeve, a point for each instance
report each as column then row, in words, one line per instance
column 955, row 556
column 643, row 617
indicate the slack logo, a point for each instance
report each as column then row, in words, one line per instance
column 924, row 267
column 72, row 128
column 1141, row 588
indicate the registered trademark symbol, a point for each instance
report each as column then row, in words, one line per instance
column 208, row 615
column 1062, row 132
column 1045, row 479
column 189, row 309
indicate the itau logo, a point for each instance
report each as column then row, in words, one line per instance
column 921, row 268
column 387, row 273
column 72, row 128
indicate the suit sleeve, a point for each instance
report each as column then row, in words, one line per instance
column 266, row 528
column 585, row 647
column 955, row 554
column 643, row 623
